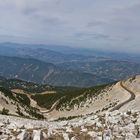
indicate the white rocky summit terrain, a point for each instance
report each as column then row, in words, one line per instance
column 109, row 126
column 113, row 115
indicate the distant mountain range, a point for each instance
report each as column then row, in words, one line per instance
column 64, row 66
column 60, row 54
column 112, row 69
column 67, row 74
column 42, row 72
column 42, row 53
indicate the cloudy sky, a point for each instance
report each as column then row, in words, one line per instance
column 105, row 24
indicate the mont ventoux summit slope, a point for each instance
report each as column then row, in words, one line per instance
column 41, row 112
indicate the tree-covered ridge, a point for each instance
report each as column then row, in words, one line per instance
column 47, row 97
column 69, row 96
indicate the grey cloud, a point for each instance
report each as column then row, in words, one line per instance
column 92, row 36
column 106, row 23
column 29, row 11
column 95, row 23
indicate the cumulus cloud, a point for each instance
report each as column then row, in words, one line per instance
column 88, row 23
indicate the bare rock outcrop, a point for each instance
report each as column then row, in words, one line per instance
column 109, row 126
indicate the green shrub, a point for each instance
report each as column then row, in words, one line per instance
column 4, row 111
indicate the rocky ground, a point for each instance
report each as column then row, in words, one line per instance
column 109, row 126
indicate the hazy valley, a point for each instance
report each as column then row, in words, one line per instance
column 41, row 64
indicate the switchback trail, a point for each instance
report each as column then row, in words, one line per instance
column 132, row 97
column 53, row 106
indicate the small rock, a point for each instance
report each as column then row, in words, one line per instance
column 23, row 135
column 37, row 135
column 65, row 136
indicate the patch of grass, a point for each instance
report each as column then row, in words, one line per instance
column 4, row 111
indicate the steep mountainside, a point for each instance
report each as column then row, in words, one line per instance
column 63, row 102
column 133, row 85
column 17, row 104
column 43, row 98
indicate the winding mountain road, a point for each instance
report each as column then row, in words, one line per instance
column 53, row 106
column 132, row 97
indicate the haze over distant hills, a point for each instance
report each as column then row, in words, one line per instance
column 42, row 72
column 59, row 54
column 65, row 66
